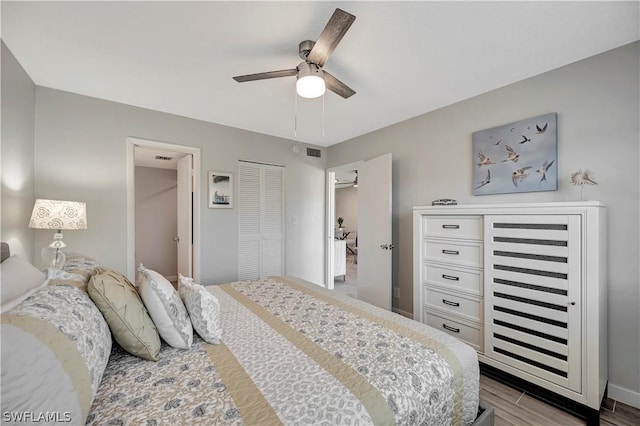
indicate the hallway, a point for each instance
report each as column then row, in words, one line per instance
column 349, row 285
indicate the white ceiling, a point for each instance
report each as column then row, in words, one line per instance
column 147, row 157
column 402, row 58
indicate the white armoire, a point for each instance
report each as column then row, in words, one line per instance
column 524, row 284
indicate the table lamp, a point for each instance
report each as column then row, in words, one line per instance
column 59, row 215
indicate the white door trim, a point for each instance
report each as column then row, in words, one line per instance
column 131, row 211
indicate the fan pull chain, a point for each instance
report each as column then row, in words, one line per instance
column 295, row 115
column 323, row 115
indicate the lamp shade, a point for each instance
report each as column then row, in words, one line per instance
column 310, row 82
column 56, row 214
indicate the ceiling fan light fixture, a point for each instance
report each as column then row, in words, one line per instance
column 310, row 82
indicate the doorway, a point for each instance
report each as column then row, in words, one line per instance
column 346, row 232
column 157, row 173
column 374, row 229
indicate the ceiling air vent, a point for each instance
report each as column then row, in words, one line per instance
column 312, row 152
column 163, row 158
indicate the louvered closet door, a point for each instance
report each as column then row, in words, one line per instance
column 260, row 220
column 533, row 295
column 273, row 221
column 249, row 228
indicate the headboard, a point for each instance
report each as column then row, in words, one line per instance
column 5, row 251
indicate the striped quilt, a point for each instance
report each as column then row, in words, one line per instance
column 294, row 353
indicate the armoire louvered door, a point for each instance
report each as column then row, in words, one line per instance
column 533, row 295
column 260, row 220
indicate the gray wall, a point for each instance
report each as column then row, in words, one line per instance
column 80, row 154
column 18, row 107
column 157, row 219
column 597, row 104
column 347, row 208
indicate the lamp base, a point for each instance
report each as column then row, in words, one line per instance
column 53, row 255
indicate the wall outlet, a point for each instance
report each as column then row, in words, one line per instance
column 396, row 292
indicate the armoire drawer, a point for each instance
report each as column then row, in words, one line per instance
column 468, row 307
column 471, row 335
column 460, row 253
column 465, row 227
column 459, row 279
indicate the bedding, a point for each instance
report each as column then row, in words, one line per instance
column 292, row 353
column 19, row 280
column 128, row 319
column 203, row 308
column 165, row 308
column 55, row 347
column 289, row 352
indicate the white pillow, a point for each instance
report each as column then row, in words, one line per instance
column 18, row 280
column 165, row 308
column 203, row 307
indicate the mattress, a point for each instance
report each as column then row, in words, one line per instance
column 295, row 353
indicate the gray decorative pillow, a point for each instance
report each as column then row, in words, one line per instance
column 204, row 309
column 55, row 348
column 165, row 308
column 128, row 319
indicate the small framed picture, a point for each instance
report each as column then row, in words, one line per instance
column 220, row 190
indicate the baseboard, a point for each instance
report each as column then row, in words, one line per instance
column 626, row 396
column 403, row 313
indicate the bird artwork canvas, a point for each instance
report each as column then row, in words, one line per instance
column 516, row 157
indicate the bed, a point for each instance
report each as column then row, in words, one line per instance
column 290, row 353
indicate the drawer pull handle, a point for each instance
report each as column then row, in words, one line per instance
column 446, row 327
column 451, row 226
column 450, row 252
column 450, row 303
column 450, row 277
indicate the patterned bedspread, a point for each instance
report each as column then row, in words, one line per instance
column 294, row 353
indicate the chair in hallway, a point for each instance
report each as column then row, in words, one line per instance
column 352, row 245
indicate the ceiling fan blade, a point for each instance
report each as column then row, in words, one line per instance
column 333, row 32
column 265, row 75
column 337, row 86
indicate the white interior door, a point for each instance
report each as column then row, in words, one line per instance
column 185, row 208
column 374, row 231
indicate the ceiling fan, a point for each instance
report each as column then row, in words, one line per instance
column 346, row 183
column 312, row 79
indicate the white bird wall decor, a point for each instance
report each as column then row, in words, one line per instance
column 582, row 178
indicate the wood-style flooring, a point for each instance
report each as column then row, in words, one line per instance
column 513, row 407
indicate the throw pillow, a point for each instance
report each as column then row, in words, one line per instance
column 122, row 308
column 19, row 280
column 204, row 309
column 166, row 308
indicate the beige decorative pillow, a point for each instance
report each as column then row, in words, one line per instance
column 125, row 313
column 165, row 308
